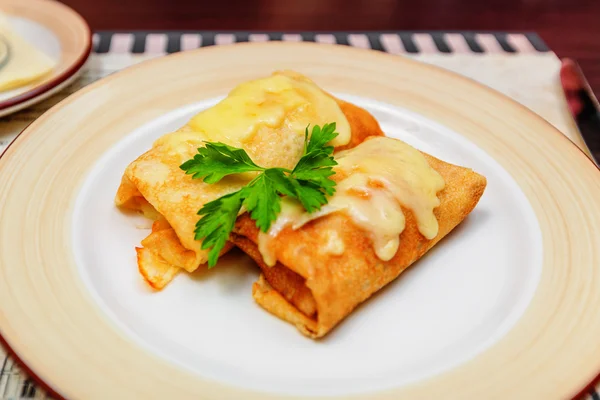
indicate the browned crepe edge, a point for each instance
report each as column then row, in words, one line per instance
column 327, row 276
column 130, row 196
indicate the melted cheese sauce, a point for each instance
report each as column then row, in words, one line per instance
column 267, row 117
column 291, row 212
column 375, row 180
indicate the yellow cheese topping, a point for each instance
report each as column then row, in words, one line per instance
column 267, row 117
column 380, row 176
column 22, row 63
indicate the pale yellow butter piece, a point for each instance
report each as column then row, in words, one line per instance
column 25, row 64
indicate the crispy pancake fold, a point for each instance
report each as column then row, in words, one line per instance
column 315, row 289
column 155, row 185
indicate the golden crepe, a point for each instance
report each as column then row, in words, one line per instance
column 267, row 118
column 393, row 203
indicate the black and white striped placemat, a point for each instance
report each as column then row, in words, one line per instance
column 392, row 42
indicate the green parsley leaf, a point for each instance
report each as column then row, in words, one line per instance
column 282, row 182
column 309, row 182
column 317, row 168
column 217, row 160
column 314, row 160
column 217, row 222
column 319, row 177
column 312, row 173
column 262, row 199
column 309, row 194
column 320, row 137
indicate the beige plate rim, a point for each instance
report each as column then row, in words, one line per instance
column 540, row 356
column 75, row 37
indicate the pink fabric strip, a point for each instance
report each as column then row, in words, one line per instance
column 457, row 43
column 392, row 43
column 258, row 37
column 190, row 41
column 156, row 43
column 425, row 43
column 292, row 37
column 488, row 43
column 359, row 40
column 520, row 43
column 224, row 38
column 121, row 43
column 325, row 38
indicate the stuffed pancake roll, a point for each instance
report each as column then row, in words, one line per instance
column 267, row 118
column 392, row 204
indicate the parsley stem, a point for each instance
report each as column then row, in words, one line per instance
column 309, row 182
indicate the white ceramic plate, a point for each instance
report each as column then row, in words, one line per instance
column 504, row 307
column 430, row 314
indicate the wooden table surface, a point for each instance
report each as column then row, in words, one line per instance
column 570, row 27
